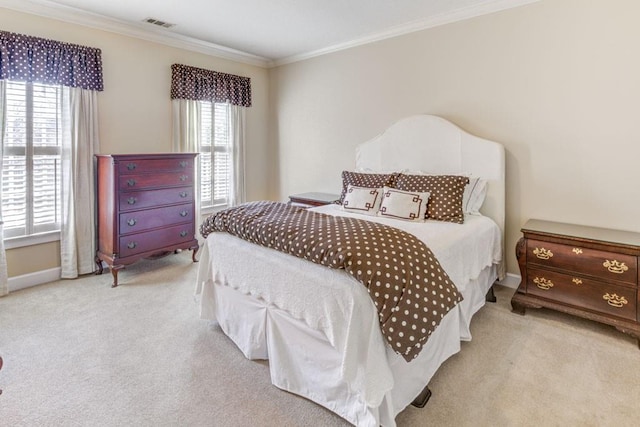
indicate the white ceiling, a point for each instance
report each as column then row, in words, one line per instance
column 267, row 31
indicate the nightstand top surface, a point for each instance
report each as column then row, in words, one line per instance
column 316, row 197
column 538, row 226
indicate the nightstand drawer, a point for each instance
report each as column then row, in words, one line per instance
column 577, row 291
column 601, row 264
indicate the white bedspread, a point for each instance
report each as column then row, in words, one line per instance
column 333, row 303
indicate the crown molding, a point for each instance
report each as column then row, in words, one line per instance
column 73, row 15
column 461, row 14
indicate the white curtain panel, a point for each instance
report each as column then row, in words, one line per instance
column 4, row 287
column 237, row 123
column 79, row 144
column 186, row 125
column 187, row 115
column 4, row 280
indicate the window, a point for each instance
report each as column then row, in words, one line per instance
column 215, row 154
column 31, row 173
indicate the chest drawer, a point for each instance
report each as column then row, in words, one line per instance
column 136, row 221
column 135, row 182
column 136, row 166
column 145, row 199
column 616, row 300
column 601, row 264
column 133, row 244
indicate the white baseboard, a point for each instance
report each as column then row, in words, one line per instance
column 510, row 281
column 39, row 277
column 33, row 279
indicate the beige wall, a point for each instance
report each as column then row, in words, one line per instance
column 135, row 109
column 557, row 82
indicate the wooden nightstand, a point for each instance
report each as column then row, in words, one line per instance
column 584, row 271
column 313, row 199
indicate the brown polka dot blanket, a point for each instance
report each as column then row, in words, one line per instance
column 410, row 290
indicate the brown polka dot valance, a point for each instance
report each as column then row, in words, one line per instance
column 33, row 59
column 200, row 84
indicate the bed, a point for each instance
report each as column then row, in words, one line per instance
column 318, row 327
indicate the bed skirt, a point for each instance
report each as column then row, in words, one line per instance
column 303, row 360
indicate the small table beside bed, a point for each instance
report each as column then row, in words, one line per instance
column 327, row 336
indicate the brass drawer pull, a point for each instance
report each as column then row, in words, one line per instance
column 615, row 266
column 577, row 251
column 542, row 253
column 183, row 177
column 131, row 182
column 131, row 166
column 183, row 233
column 543, row 283
column 132, row 200
column 614, row 300
column 183, row 164
column 131, row 222
column 132, row 245
column 577, row 281
column 184, row 213
column 183, row 194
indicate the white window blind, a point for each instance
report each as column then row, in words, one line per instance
column 215, row 154
column 31, row 164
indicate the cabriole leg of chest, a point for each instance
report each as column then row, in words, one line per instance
column 194, row 251
column 114, row 273
column 98, row 262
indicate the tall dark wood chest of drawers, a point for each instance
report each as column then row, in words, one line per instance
column 585, row 271
column 146, row 207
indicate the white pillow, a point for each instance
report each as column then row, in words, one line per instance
column 474, row 195
column 405, row 205
column 362, row 200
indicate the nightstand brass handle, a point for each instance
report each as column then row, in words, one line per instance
column 577, row 281
column 183, row 164
column 131, row 166
column 184, row 213
column 183, row 194
column 542, row 253
column 614, row 300
column 132, row 245
column 183, row 177
column 132, row 200
column 577, row 251
column 131, row 222
column 131, row 182
column 543, row 283
column 183, row 233
column 615, row 266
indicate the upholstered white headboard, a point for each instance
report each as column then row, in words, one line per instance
column 434, row 145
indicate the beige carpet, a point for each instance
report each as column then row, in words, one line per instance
column 80, row 353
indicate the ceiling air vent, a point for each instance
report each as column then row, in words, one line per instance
column 158, row 22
